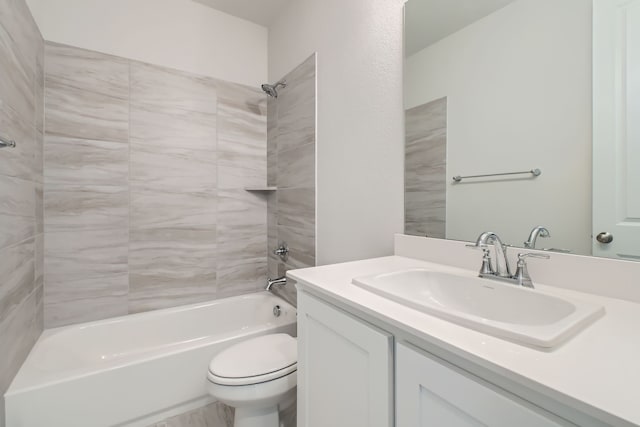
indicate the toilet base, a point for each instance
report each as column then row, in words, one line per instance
column 257, row 417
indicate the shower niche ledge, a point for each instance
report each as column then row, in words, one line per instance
column 261, row 188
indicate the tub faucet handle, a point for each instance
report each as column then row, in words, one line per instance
column 282, row 250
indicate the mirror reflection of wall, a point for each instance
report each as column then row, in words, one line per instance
column 497, row 86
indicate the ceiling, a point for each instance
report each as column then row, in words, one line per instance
column 428, row 21
column 262, row 12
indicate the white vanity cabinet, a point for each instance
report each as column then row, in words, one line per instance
column 351, row 374
column 432, row 393
column 345, row 369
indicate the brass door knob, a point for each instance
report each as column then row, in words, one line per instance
column 605, row 238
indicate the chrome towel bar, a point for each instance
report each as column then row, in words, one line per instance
column 534, row 172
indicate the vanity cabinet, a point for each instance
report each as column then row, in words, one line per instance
column 431, row 393
column 350, row 374
column 345, row 368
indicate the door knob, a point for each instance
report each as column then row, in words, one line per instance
column 604, row 237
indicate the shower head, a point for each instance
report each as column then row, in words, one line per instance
column 272, row 90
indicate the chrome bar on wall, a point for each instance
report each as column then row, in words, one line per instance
column 7, row 143
column 534, row 172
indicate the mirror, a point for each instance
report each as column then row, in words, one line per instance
column 505, row 86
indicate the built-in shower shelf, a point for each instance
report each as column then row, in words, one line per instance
column 266, row 188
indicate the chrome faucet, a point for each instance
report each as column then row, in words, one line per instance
column 538, row 231
column 502, row 263
column 502, row 271
column 521, row 276
column 279, row 281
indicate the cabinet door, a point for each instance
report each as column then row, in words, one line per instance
column 431, row 393
column 345, row 369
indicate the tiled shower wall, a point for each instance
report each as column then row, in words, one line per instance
column 145, row 169
column 21, row 217
column 291, row 162
column 425, row 169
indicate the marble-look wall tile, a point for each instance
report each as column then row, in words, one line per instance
column 425, row 169
column 172, row 89
column 86, row 94
column 296, row 207
column 91, row 162
column 154, row 206
column 425, row 213
column 17, row 270
column 173, row 128
column 15, row 228
column 301, row 242
column 272, row 222
column 296, row 167
column 242, row 239
column 171, row 267
column 291, row 155
column 86, row 185
column 301, row 87
column 18, row 197
column 18, row 331
column 39, row 88
column 39, row 206
column 272, row 141
column 87, row 275
column 242, row 135
column 21, row 100
column 18, row 67
column 426, row 162
column 20, row 161
column 39, row 260
column 172, row 167
column 172, row 187
column 86, row 207
column 296, row 126
column 173, row 183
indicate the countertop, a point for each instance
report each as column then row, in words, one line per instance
column 596, row 372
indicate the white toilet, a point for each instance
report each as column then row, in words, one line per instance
column 257, row 377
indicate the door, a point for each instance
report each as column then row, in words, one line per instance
column 616, row 129
column 431, row 393
column 345, row 369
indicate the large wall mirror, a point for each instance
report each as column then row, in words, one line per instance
column 537, row 90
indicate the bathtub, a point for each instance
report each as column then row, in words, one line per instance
column 138, row 369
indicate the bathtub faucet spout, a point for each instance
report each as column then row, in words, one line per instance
column 279, row 281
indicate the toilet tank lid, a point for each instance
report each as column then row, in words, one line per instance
column 256, row 357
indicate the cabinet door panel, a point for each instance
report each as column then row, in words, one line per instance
column 344, row 369
column 430, row 393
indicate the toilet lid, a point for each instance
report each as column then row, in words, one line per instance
column 255, row 360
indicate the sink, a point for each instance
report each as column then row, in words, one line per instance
column 523, row 315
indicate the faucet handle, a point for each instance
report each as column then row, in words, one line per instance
column 522, row 274
column 522, row 256
column 477, row 246
column 486, row 269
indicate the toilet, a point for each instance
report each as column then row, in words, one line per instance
column 257, row 377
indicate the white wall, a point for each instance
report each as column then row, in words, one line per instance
column 179, row 34
column 360, row 118
column 518, row 84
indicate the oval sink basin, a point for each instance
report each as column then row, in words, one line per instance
column 507, row 311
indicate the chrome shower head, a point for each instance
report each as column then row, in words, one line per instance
column 272, row 90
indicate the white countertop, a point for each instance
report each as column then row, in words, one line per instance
column 597, row 371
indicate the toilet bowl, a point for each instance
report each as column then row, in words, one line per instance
column 257, row 377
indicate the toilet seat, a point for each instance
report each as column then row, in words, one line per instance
column 258, row 360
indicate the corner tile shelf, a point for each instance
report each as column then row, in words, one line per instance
column 261, row 188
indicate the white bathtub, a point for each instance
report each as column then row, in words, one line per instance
column 138, row 369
